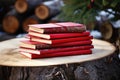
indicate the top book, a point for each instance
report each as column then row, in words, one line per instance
column 58, row 27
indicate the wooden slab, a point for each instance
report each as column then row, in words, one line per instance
column 9, row 55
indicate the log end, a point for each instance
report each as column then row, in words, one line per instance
column 21, row 6
column 106, row 30
column 27, row 22
column 42, row 12
column 10, row 24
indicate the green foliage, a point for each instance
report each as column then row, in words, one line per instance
column 84, row 11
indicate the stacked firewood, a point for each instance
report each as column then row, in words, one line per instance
column 25, row 12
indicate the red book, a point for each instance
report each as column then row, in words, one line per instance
column 60, row 41
column 55, row 50
column 59, row 54
column 58, row 35
column 58, row 28
column 37, row 45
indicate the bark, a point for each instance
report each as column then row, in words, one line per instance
column 107, row 68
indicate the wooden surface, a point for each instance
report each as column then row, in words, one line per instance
column 9, row 55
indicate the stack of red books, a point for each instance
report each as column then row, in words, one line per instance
column 56, row 39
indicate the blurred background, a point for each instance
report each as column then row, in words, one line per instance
column 102, row 17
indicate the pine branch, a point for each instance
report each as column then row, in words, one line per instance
column 85, row 11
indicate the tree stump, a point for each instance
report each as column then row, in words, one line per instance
column 101, row 68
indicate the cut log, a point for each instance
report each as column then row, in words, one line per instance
column 109, row 31
column 23, row 6
column 3, row 11
column 28, row 21
column 12, row 22
column 106, row 30
column 48, row 9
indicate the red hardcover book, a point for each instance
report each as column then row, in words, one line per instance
column 60, row 41
column 58, row 28
column 37, row 45
column 59, row 54
column 55, row 50
column 58, row 35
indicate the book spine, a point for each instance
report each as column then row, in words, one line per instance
column 69, row 44
column 55, row 50
column 60, row 54
column 59, row 41
column 65, row 49
column 68, row 35
column 58, row 35
column 65, row 29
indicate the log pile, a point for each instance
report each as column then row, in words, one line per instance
column 25, row 12
column 23, row 6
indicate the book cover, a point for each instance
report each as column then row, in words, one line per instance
column 37, row 45
column 55, row 50
column 58, row 28
column 60, row 41
column 68, row 24
column 59, row 54
column 58, row 35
